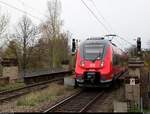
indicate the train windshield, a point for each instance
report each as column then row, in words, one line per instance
column 93, row 52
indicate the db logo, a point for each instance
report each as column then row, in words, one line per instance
column 92, row 65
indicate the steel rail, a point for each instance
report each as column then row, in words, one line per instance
column 15, row 95
column 29, row 86
column 91, row 102
column 82, row 109
column 62, row 102
column 6, row 95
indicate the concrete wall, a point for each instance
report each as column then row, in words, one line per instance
column 4, row 81
column 120, row 106
column 69, row 81
column 134, row 72
column 11, row 72
column 132, row 92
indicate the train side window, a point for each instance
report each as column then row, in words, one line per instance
column 115, row 59
column 121, row 61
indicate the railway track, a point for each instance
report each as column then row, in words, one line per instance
column 35, row 82
column 78, row 102
column 82, row 101
column 11, row 94
column 101, row 104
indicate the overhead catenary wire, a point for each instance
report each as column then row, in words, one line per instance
column 95, row 16
column 109, row 23
column 20, row 10
column 103, row 23
column 37, row 18
column 100, row 14
column 125, row 40
column 37, row 11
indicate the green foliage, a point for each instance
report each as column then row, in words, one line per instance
column 49, row 54
column 134, row 109
column 146, row 110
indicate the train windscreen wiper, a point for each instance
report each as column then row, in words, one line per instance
column 96, row 58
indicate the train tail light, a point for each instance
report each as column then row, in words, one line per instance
column 82, row 63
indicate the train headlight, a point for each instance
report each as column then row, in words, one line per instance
column 82, row 63
column 102, row 64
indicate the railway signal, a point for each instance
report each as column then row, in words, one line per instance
column 73, row 45
column 138, row 45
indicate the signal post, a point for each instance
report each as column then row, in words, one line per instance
column 133, row 83
column 136, row 83
column 70, row 81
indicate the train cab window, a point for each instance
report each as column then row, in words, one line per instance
column 92, row 52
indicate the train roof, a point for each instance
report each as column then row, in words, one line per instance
column 99, row 40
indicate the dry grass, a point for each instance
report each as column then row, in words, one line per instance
column 49, row 94
column 12, row 86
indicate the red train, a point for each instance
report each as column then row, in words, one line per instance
column 98, row 63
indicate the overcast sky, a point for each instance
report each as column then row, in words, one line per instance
column 128, row 18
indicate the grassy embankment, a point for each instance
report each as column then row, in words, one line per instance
column 49, row 94
column 16, row 85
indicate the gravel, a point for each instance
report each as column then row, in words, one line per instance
column 105, row 104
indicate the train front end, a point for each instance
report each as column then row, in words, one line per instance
column 94, row 64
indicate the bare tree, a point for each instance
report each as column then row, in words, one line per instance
column 54, row 10
column 51, row 30
column 26, row 33
column 4, row 20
